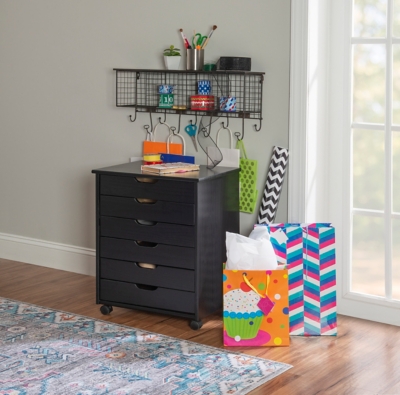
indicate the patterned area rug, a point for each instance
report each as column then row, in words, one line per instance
column 44, row 351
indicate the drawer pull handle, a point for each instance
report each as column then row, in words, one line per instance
column 144, row 265
column 146, row 244
column 146, row 287
column 145, row 222
column 146, row 201
column 146, row 179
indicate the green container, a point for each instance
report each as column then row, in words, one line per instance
column 166, row 100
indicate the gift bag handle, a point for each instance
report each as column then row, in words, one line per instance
column 252, row 286
column 230, row 136
column 240, row 146
column 155, row 128
column 182, row 139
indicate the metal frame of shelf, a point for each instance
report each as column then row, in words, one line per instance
column 138, row 88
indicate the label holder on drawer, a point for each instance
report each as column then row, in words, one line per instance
column 145, row 265
column 146, row 180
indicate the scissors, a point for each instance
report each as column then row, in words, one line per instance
column 198, row 41
column 191, row 131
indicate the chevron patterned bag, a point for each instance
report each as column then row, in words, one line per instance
column 247, row 181
column 308, row 250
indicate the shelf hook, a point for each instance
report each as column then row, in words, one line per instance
column 151, row 124
column 237, row 135
column 223, row 125
column 179, row 123
column 191, row 121
column 209, row 130
column 130, row 116
column 148, row 133
column 173, row 128
column 227, row 123
column 255, row 126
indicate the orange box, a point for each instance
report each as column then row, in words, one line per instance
column 150, row 147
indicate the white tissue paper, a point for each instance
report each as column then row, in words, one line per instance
column 250, row 253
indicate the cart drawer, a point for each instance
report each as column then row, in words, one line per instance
column 148, row 187
column 160, row 276
column 159, row 210
column 158, row 254
column 157, row 232
column 141, row 295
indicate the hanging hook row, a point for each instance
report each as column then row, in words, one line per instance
column 237, row 134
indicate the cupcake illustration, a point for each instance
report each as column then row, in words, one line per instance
column 242, row 316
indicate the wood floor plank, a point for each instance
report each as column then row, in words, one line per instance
column 363, row 360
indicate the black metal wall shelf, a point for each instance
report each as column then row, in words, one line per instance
column 138, row 88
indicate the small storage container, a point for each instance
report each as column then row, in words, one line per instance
column 202, row 102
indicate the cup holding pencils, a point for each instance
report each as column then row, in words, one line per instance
column 194, row 59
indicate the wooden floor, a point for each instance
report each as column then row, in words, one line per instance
column 364, row 359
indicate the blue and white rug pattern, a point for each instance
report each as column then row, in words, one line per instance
column 44, row 351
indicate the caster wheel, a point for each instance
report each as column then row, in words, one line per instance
column 106, row 309
column 196, row 325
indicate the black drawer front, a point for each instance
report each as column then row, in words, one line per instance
column 161, row 276
column 169, row 190
column 159, row 232
column 176, row 213
column 160, row 254
column 161, row 298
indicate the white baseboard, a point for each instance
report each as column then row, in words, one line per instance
column 48, row 254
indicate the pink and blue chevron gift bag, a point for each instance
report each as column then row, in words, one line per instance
column 308, row 250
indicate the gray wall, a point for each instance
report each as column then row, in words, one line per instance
column 58, row 117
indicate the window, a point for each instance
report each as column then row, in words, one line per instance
column 375, row 148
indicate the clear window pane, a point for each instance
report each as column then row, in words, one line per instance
column 396, row 84
column 368, row 169
column 369, row 83
column 369, row 18
column 396, row 259
column 368, row 256
column 396, row 18
column 396, row 172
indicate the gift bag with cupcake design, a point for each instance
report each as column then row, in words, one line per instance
column 256, row 308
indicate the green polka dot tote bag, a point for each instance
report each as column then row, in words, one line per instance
column 247, row 181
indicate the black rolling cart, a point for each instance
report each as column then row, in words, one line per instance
column 160, row 240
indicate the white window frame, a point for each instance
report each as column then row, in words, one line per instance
column 318, row 28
